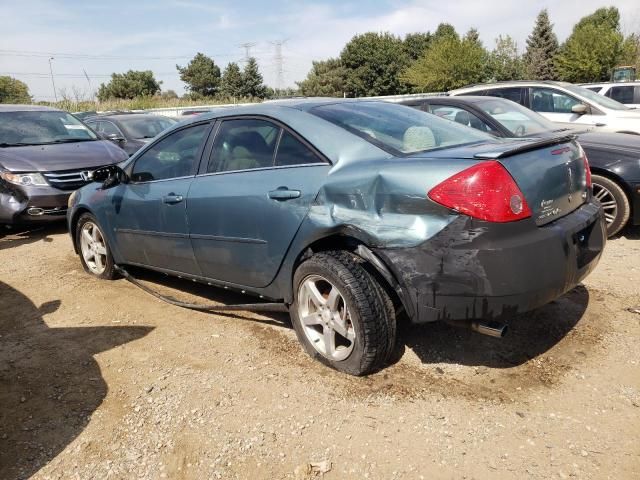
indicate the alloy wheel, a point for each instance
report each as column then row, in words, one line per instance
column 608, row 202
column 325, row 318
column 93, row 248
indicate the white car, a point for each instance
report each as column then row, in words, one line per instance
column 563, row 103
column 627, row 93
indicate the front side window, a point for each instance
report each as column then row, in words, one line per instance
column 461, row 116
column 174, row 156
column 41, row 128
column 518, row 120
column 552, row 101
column 147, row 126
column 397, row 129
column 243, row 144
column 109, row 128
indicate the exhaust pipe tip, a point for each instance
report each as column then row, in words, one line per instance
column 492, row 329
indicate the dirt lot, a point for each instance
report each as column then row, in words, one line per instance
column 100, row 380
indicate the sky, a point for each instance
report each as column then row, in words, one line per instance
column 115, row 36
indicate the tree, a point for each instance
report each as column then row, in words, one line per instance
column 252, row 82
column 327, row 78
column 445, row 30
column 450, row 62
column 415, row 44
column 504, row 61
column 202, row 75
column 129, row 85
column 231, row 83
column 13, row 90
column 542, row 46
column 169, row 95
column 594, row 47
column 631, row 51
column 373, row 62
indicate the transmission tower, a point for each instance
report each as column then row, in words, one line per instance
column 247, row 50
column 279, row 61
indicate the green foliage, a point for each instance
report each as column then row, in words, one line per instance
column 592, row 50
column 415, row 44
column 631, row 51
column 231, row 84
column 252, row 82
column 169, row 95
column 202, row 75
column 327, row 78
column 449, row 63
column 373, row 62
column 445, row 30
column 129, row 85
column 504, row 61
column 13, row 90
column 542, row 46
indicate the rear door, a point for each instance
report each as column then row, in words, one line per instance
column 253, row 191
column 150, row 215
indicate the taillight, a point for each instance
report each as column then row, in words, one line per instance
column 587, row 169
column 485, row 191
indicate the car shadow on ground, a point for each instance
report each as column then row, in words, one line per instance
column 530, row 334
column 16, row 236
column 50, row 384
column 630, row 232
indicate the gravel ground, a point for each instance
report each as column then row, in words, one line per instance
column 100, row 380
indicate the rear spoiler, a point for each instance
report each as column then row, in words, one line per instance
column 526, row 146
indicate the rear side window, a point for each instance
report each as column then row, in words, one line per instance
column 623, row 94
column 243, row 144
column 292, row 151
column 552, row 101
column 461, row 116
column 513, row 94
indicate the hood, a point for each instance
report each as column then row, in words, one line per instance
column 632, row 114
column 62, row 156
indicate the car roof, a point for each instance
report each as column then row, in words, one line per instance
column 7, row 107
column 513, row 83
column 611, row 84
column 120, row 116
column 466, row 99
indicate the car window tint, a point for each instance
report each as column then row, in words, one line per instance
column 459, row 115
column 513, row 94
column 243, row 144
column 174, row 156
column 109, row 128
column 292, row 151
column 622, row 94
column 552, row 101
column 594, row 89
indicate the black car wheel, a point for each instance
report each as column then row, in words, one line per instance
column 95, row 254
column 339, row 314
column 614, row 202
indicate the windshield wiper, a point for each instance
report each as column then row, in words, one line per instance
column 5, row 144
column 71, row 140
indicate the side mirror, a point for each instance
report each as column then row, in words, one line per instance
column 117, row 139
column 580, row 109
column 110, row 176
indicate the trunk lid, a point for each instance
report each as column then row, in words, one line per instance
column 550, row 172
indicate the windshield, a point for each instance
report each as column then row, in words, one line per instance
column 596, row 98
column 41, row 128
column 518, row 120
column 398, row 129
column 145, row 127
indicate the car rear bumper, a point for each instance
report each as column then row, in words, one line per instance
column 31, row 204
column 479, row 270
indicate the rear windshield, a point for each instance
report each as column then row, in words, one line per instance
column 398, row 129
column 41, row 128
column 145, row 127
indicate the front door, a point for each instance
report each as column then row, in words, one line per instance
column 150, row 219
column 255, row 189
column 556, row 106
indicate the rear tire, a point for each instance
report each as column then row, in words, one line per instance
column 614, row 202
column 95, row 254
column 340, row 313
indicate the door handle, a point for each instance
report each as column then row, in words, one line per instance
column 283, row 193
column 172, row 199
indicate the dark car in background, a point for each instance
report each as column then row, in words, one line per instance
column 614, row 157
column 45, row 154
column 129, row 131
column 348, row 211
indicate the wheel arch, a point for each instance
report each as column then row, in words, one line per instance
column 615, row 178
column 73, row 224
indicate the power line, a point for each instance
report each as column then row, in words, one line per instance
column 247, row 50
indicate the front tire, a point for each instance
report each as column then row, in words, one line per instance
column 95, row 254
column 339, row 314
column 614, row 202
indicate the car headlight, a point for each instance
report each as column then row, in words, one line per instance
column 25, row 179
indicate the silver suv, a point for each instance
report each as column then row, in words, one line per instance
column 563, row 103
